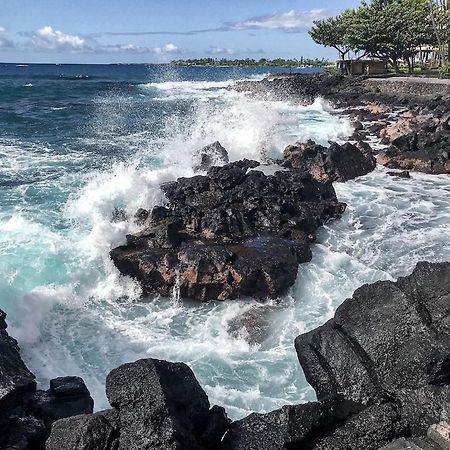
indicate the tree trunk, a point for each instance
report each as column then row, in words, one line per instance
column 395, row 65
column 436, row 32
column 410, row 69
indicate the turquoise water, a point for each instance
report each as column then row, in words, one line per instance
column 78, row 141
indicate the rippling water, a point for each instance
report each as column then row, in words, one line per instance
column 78, row 141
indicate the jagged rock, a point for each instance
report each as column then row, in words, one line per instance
column 118, row 215
column 358, row 126
column 261, row 267
column 164, row 408
column 25, row 413
column 335, row 163
column 292, row 426
column 420, row 141
column 391, row 340
column 21, row 432
column 156, row 405
column 364, row 147
column 67, row 396
column 209, row 156
column 367, row 355
column 418, row 161
column 15, row 378
column 99, row 431
column 235, row 232
column 368, row 430
column 141, row 216
column 278, row 429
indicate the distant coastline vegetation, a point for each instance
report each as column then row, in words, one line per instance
column 248, row 62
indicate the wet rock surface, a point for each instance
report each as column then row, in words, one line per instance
column 26, row 414
column 234, row 232
column 211, row 155
column 335, row 163
column 380, row 369
column 411, row 118
column 15, row 378
column 156, row 405
column 419, row 140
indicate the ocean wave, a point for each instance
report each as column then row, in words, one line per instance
column 189, row 86
column 72, row 311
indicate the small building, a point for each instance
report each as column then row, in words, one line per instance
column 362, row 66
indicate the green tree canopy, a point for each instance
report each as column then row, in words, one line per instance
column 334, row 32
column 388, row 29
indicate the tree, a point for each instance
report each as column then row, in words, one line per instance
column 387, row 29
column 392, row 29
column 333, row 32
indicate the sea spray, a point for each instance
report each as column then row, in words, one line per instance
column 71, row 310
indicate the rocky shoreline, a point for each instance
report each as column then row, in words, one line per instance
column 380, row 369
column 411, row 119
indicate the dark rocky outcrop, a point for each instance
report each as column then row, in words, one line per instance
column 15, row 378
column 66, row 397
column 380, row 369
column 419, row 138
column 234, row 232
column 335, row 163
column 26, row 414
column 156, row 405
column 389, row 344
column 209, row 156
column 422, row 151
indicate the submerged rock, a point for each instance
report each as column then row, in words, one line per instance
column 235, row 232
column 335, row 163
column 402, row 174
column 253, row 325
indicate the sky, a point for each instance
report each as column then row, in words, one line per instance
column 151, row 31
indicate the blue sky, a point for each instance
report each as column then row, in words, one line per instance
column 103, row 31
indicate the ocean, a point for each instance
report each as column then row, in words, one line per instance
column 78, row 141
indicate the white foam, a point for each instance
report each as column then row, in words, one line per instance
column 189, row 86
column 74, row 314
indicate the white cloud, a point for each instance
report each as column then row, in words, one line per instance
column 220, row 51
column 5, row 42
column 289, row 21
column 48, row 38
column 167, row 49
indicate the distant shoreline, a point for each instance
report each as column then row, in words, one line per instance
column 278, row 62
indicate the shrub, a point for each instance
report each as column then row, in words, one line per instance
column 444, row 71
